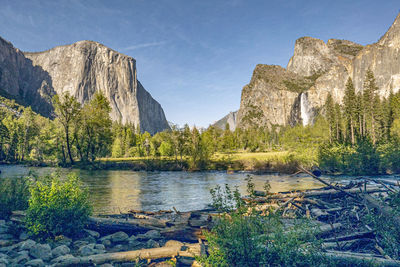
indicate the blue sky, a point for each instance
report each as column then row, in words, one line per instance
column 194, row 56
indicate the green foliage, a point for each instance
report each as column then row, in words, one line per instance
column 57, row 207
column 387, row 233
column 14, row 195
column 244, row 237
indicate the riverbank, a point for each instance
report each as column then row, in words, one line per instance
column 259, row 162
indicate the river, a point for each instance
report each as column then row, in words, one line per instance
column 114, row 191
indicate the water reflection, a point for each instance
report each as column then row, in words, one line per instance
column 115, row 191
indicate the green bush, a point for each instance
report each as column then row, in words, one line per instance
column 244, row 237
column 14, row 195
column 57, row 207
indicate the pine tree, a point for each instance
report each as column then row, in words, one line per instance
column 368, row 103
column 331, row 116
column 350, row 109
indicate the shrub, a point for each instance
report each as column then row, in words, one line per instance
column 14, row 195
column 245, row 237
column 57, row 207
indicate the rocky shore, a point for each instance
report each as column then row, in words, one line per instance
column 18, row 248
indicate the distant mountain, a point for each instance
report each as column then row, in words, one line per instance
column 279, row 96
column 81, row 69
column 228, row 119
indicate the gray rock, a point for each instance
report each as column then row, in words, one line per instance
column 4, row 261
column 27, row 245
column 152, row 244
column 35, row 263
column 5, row 243
column 135, row 244
column 9, row 248
column 87, row 250
column 89, row 239
column 23, row 236
column 152, row 234
column 63, row 241
column 64, row 68
column 100, row 247
column 106, row 242
column 92, row 233
column 6, row 236
column 4, row 229
column 80, row 243
column 119, row 237
column 66, row 260
column 21, row 259
column 41, row 251
column 60, row 251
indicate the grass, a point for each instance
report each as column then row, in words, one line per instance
column 273, row 161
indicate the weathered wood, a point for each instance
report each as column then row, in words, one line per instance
column 382, row 209
column 111, row 225
column 173, row 249
column 356, row 235
column 347, row 256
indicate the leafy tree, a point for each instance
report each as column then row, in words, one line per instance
column 67, row 110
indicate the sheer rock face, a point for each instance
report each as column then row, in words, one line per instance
column 229, row 119
column 327, row 66
column 82, row 69
column 20, row 80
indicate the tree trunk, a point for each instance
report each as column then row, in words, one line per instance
column 68, row 145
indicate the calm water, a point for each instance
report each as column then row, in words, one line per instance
column 113, row 191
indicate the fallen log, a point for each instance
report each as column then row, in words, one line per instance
column 170, row 250
column 382, row 209
column 350, row 256
column 112, row 225
column 350, row 236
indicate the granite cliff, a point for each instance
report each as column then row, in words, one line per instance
column 80, row 69
column 279, row 96
column 229, row 119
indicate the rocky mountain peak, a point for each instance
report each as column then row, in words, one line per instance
column 81, row 69
column 392, row 37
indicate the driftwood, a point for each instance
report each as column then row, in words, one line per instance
column 347, row 256
column 112, row 225
column 170, row 250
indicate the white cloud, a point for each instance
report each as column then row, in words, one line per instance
column 145, row 45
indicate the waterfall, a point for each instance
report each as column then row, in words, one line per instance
column 305, row 111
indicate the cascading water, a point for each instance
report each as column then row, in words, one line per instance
column 305, row 111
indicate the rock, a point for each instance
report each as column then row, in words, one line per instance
column 4, row 228
column 36, row 77
column 6, row 236
column 23, row 236
column 21, row 259
column 229, row 119
column 5, row 243
column 106, row 242
column 87, row 250
column 100, row 247
column 80, row 243
column 278, row 96
column 89, row 239
column 119, row 237
column 35, row 263
column 4, row 261
column 27, row 245
column 173, row 243
column 63, row 241
column 9, row 248
column 92, row 233
column 135, row 244
column 152, row 234
column 152, row 244
column 41, row 251
column 66, row 260
column 60, row 251
column 106, row 265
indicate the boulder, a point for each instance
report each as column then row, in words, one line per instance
column 27, row 245
column 41, row 251
column 60, row 251
column 35, row 263
column 66, row 260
